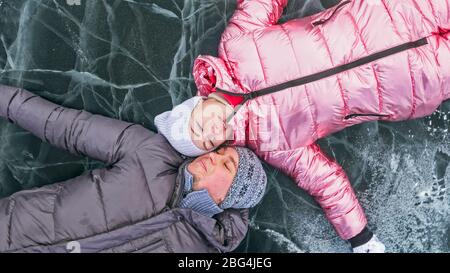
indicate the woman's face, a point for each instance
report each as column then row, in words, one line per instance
column 208, row 124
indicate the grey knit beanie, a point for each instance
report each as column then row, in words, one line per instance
column 249, row 184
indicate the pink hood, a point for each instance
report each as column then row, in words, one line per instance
column 255, row 53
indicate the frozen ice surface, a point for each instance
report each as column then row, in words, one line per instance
column 132, row 59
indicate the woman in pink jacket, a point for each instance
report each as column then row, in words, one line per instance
column 283, row 86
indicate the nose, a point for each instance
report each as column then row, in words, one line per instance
column 216, row 157
column 213, row 157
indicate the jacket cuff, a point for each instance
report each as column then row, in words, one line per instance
column 7, row 93
column 363, row 237
column 351, row 224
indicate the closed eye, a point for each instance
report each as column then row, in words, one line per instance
column 204, row 146
column 199, row 126
column 194, row 132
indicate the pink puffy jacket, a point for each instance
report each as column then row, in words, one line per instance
column 362, row 60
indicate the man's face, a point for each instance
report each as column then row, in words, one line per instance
column 215, row 172
column 208, row 125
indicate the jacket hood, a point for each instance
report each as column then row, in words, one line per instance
column 224, row 231
column 210, row 72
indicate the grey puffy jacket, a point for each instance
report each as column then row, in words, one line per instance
column 130, row 206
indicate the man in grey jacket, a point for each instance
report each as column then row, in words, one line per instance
column 149, row 198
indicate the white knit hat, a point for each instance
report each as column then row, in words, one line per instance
column 174, row 125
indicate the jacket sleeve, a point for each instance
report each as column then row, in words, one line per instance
column 253, row 14
column 76, row 131
column 327, row 182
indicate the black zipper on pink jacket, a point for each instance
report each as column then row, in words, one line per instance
column 327, row 73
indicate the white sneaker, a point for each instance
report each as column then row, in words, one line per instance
column 372, row 246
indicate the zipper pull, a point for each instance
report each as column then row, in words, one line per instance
column 323, row 21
